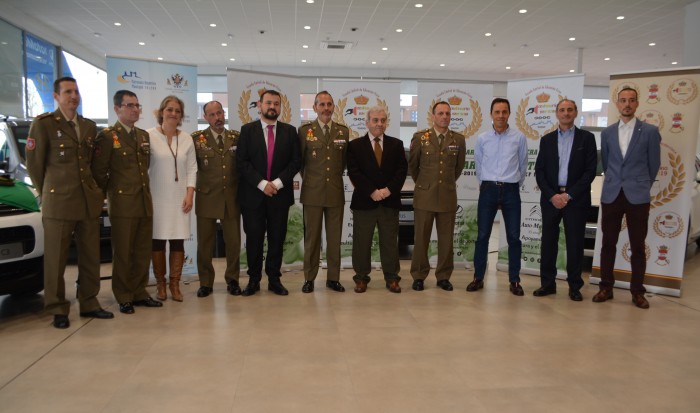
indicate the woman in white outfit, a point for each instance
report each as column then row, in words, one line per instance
column 173, row 173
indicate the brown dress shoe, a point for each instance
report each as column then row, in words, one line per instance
column 516, row 289
column 640, row 301
column 360, row 286
column 603, row 295
column 393, row 286
column 475, row 285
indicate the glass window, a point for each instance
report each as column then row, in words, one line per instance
column 202, row 99
column 11, row 70
column 41, row 73
column 594, row 112
column 307, row 107
column 92, row 81
column 409, row 108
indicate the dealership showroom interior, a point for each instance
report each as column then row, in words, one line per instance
column 454, row 340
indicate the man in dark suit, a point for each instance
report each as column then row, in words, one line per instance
column 268, row 157
column 631, row 155
column 377, row 168
column 59, row 153
column 565, row 168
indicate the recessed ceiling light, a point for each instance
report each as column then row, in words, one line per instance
column 159, row 58
column 142, row 43
column 620, row 17
column 307, row 27
column 3, row 43
column 385, row 48
column 117, row 24
column 212, row 24
column 571, row 39
column 374, row 63
column 418, row 5
column 305, row 46
column 96, row 34
column 571, row 70
column 606, row 59
column 522, row 11
column 462, row 51
column 399, row 30
column 224, row 44
column 233, row 59
column 536, row 55
column 507, row 67
column 652, row 44
column 487, row 34
column 303, row 60
column 310, row 1
column 674, row 63
column 442, row 65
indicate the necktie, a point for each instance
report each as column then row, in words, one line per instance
column 326, row 131
column 220, row 141
column 440, row 138
column 72, row 125
column 378, row 151
column 270, row 149
column 132, row 134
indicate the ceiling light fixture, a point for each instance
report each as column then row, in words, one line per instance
column 522, row 11
column 487, row 34
column 606, row 59
column 385, row 48
column 418, row 5
column 571, row 39
column 374, row 63
column 571, row 70
column 399, row 30
column 303, row 60
column 462, row 51
column 97, row 34
column 310, row 1
column 674, row 63
column 442, row 65
column 536, row 55
column 224, row 44
column 307, row 27
column 159, row 58
column 507, row 67
column 620, row 17
column 117, row 24
column 212, row 24
column 233, row 59
column 652, row 44
column 305, row 46
column 142, row 43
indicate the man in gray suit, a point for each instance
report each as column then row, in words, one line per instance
column 631, row 155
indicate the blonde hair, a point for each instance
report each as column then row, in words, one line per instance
column 159, row 112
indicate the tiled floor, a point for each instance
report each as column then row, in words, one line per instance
column 424, row 351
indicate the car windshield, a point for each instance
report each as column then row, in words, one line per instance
column 21, row 131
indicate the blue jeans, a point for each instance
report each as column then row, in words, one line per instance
column 491, row 197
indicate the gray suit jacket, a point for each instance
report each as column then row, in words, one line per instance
column 637, row 171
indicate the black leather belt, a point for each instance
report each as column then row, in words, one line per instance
column 562, row 189
column 499, row 183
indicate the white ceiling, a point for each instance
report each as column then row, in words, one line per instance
column 179, row 31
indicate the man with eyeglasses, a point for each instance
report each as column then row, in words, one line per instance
column 121, row 160
column 217, row 184
column 59, row 152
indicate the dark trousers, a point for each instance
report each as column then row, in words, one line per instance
column 131, row 257
column 574, row 231
column 270, row 218
column 386, row 220
column 491, row 198
column 637, row 217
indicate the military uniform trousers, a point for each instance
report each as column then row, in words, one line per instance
column 206, row 238
column 364, row 222
column 313, row 221
column 57, row 238
column 131, row 257
column 423, row 224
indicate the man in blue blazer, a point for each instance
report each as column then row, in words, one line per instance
column 565, row 168
column 631, row 155
column 268, row 157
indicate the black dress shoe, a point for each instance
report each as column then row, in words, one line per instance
column 418, row 285
column 335, row 286
column 126, row 308
column 204, row 291
column 147, row 302
column 61, row 321
column 516, row 289
column 277, row 287
column 475, row 285
column 445, row 285
column 575, row 295
column 233, row 288
column 103, row 314
column 251, row 288
column 308, row 287
column 543, row 291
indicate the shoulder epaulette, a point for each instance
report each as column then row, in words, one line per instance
column 196, row 133
column 342, row 125
column 87, row 119
column 233, row 132
column 44, row 115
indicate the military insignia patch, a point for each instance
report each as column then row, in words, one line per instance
column 31, row 144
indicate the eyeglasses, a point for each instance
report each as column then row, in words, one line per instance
column 132, row 105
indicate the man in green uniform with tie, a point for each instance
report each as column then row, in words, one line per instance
column 324, row 145
column 122, row 156
column 435, row 162
column 59, row 152
column 217, row 186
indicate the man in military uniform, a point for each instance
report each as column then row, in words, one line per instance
column 59, row 152
column 435, row 162
column 217, row 185
column 122, row 156
column 324, row 145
